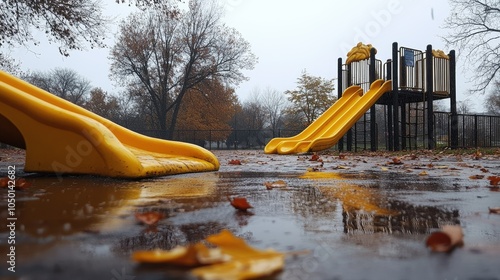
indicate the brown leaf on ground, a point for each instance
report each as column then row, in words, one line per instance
column 484, row 170
column 494, row 180
column 474, row 177
column 342, row 156
column 477, row 155
column 445, row 240
column 494, row 210
column 315, row 157
column 19, row 183
column 240, row 203
column 275, row 184
column 396, row 160
column 149, row 218
column 235, row 162
column 4, row 182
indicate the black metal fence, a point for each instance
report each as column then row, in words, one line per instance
column 474, row 131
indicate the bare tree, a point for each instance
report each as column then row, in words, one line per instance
column 475, row 31
column 492, row 101
column 165, row 55
column 63, row 82
column 464, row 107
column 273, row 105
column 9, row 64
column 71, row 23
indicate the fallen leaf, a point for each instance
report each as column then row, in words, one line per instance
column 235, row 162
column 240, row 203
column 494, row 210
column 477, row 155
column 423, row 173
column 232, row 258
column 473, row 177
column 484, row 170
column 246, row 262
column 149, row 218
column 19, row 183
column 396, row 160
column 445, row 240
column 384, row 168
column 4, row 181
column 342, row 156
column 315, row 157
column 275, row 184
column 494, row 180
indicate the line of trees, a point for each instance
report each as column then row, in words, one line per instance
column 210, row 105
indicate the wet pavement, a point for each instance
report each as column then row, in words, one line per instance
column 359, row 216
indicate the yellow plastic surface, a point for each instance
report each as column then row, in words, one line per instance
column 359, row 52
column 63, row 138
column 348, row 96
column 327, row 130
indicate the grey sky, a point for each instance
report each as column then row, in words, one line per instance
column 289, row 36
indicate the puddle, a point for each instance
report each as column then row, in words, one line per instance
column 350, row 221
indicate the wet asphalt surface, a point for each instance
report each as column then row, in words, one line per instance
column 360, row 216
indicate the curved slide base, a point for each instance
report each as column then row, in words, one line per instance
column 63, row 138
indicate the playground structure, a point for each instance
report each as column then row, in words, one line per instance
column 417, row 78
column 63, row 138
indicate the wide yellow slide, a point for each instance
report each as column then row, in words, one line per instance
column 63, row 138
column 331, row 126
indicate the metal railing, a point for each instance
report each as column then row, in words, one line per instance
column 474, row 131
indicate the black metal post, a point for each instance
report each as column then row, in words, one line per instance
column 453, row 100
column 395, row 101
column 429, row 75
column 403, row 127
column 389, row 130
column 340, row 89
column 373, row 113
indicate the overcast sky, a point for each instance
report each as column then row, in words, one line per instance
column 289, row 36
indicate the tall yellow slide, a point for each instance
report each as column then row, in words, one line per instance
column 63, row 138
column 327, row 130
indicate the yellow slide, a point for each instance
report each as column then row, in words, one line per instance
column 349, row 96
column 63, row 138
column 328, row 131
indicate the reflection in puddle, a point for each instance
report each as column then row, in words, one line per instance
column 180, row 187
column 372, row 209
column 69, row 207
column 315, row 205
